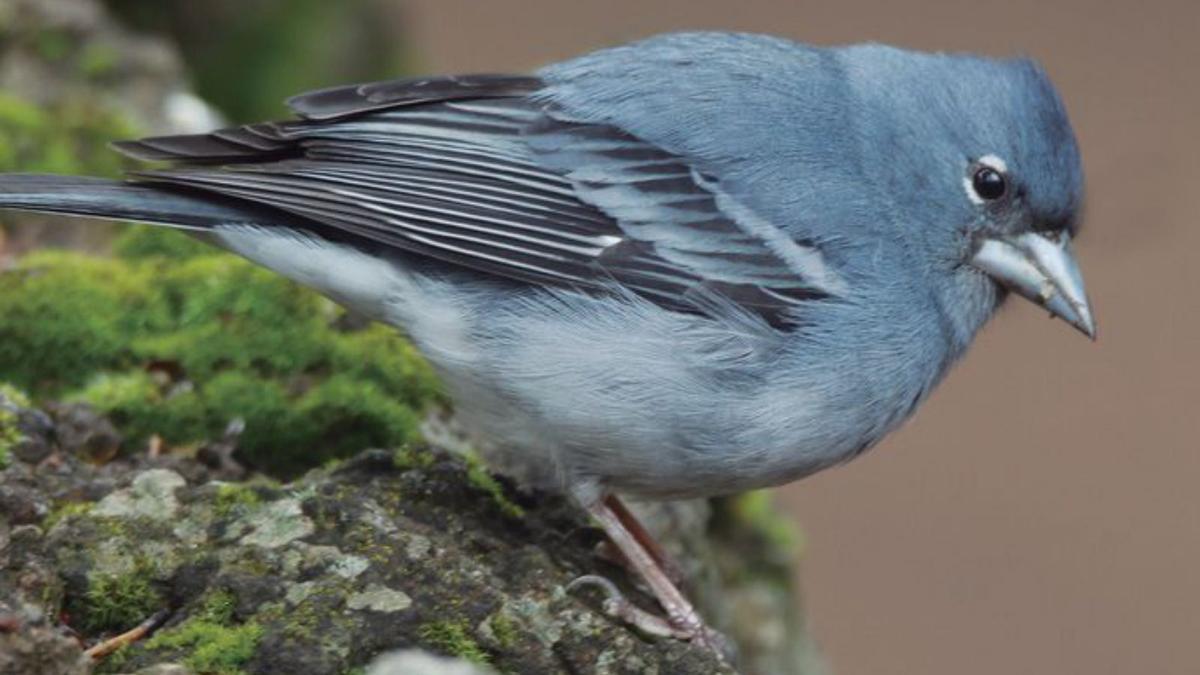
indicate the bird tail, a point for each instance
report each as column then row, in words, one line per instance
column 117, row 200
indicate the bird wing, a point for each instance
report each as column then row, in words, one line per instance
column 478, row 171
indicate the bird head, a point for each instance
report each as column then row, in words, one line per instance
column 982, row 167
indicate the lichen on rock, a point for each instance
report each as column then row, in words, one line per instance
column 324, row 574
column 151, row 495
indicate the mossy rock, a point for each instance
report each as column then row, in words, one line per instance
column 325, row 574
column 413, row 548
column 177, row 342
column 12, row 402
column 66, row 316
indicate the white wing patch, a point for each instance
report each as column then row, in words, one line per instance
column 805, row 261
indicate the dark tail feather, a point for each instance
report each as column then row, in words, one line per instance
column 116, row 200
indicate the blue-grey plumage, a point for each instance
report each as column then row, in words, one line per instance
column 696, row 264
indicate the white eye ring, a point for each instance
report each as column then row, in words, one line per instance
column 990, row 161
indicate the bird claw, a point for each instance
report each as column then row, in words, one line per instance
column 617, row 606
column 687, row 628
column 645, row 558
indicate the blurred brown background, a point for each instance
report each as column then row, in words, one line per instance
column 1041, row 513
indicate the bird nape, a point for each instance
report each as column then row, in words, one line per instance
column 692, row 265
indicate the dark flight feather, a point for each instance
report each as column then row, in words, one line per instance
column 473, row 172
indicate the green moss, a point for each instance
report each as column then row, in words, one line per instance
column 270, row 434
column 210, row 647
column 478, row 476
column 381, row 355
column 218, row 608
column 14, row 396
column 232, row 497
column 228, row 314
column 505, row 630
column 65, row 510
column 113, row 392
column 66, row 316
column 453, row 638
column 140, row 407
column 412, row 457
column 180, row 347
column 345, row 415
column 118, row 602
column 11, row 400
column 144, row 242
column 286, row 434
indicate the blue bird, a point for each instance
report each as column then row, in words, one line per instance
column 697, row 264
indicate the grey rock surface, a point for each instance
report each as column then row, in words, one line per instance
column 386, row 551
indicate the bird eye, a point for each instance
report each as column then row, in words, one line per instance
column 989, row 183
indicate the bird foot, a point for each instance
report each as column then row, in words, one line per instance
column 687, row 627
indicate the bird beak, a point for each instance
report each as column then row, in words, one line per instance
column 1043, row 270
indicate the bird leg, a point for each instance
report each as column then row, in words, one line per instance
column 682, row 621
column 671, row 568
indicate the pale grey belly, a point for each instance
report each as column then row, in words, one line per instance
column 611, row 394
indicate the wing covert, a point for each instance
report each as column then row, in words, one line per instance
column 474, row 172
